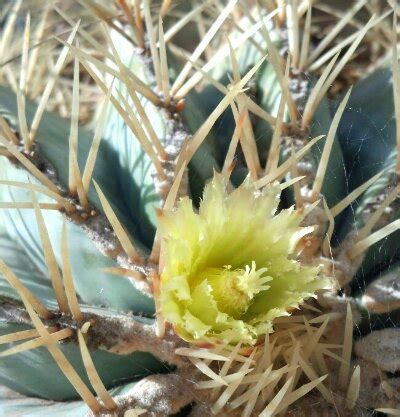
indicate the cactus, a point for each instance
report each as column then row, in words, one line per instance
column 199, row 208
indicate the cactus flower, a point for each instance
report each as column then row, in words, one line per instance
column 230, row 268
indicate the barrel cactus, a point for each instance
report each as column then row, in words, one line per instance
column 199, row 208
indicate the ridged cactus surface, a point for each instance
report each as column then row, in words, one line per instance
column 199, row 209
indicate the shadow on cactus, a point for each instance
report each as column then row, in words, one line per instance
column 229, row 229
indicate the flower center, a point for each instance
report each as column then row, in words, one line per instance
column 234, row 289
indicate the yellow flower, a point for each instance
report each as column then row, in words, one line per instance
column 230, row 269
